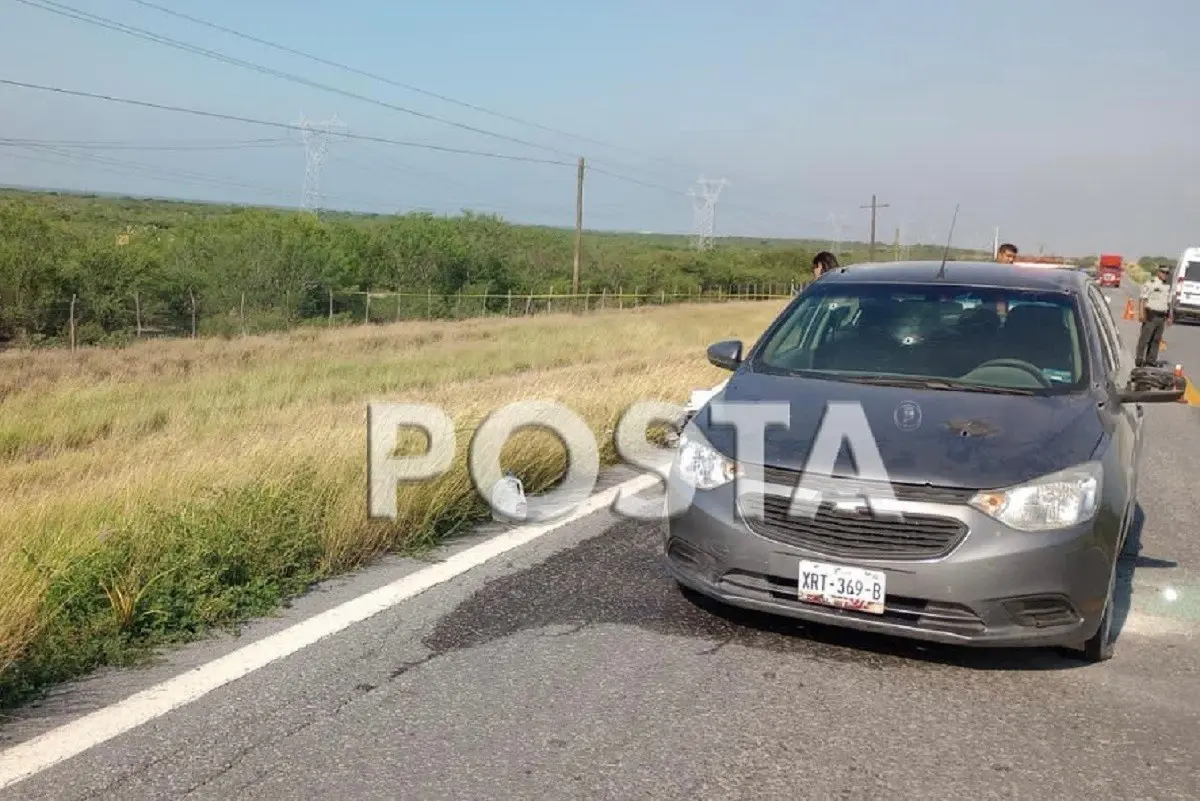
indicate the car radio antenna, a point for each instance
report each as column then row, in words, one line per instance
column 946, row 253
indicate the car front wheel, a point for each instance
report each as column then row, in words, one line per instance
column 1101, row 646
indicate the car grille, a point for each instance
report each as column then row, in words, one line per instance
column 924, row 493
column 852, row 535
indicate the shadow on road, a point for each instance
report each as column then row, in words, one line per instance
column 1131, row 561
column 618, row 579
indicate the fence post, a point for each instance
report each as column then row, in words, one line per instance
column 429, row 302
column 508, row 313
column 242, row 313
column 399, row 296
column 528, row 303
column 550, row 301
column 137, row 311
column 620, row 297
column 604, row 299
column 192, row 295
column 330, row 305
column 72, row 323
column 487, row 293
column 367, row 309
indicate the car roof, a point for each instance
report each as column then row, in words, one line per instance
column 961, row 273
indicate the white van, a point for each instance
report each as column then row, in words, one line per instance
column 1185, row 280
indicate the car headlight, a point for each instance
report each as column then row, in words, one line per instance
column 1059, row 500
column 700, row 465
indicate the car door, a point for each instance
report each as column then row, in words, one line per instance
column 1118, row 365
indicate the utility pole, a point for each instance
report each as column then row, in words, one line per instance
column 578, row 227
column 874, row 207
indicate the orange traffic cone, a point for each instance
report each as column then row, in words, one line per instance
column 1130, row 314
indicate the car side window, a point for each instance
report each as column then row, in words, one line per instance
column 1107, row 345
column 1108, row 325
column 1106, row 315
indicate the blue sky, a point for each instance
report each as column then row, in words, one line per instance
column 1070, row 125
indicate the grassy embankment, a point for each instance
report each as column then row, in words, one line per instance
column 153, row 493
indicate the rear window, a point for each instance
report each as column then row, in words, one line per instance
column 1001, row 338
column 1190, row 271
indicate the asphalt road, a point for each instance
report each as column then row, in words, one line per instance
column 572, row 668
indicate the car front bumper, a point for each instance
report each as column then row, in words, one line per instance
column 996, row 587
column 1185, row 311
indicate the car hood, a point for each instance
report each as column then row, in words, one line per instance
column 958, row 439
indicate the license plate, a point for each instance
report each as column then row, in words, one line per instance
column 842, row 587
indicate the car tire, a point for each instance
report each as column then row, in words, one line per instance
column 1100, row 647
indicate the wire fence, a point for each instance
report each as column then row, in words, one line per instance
column 80, row 322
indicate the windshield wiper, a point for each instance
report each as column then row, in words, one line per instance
column 934, row 383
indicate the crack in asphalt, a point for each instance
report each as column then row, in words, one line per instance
column 359, row 691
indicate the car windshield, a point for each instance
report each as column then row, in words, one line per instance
column 935, row 336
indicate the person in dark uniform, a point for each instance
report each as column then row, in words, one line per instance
column 1154, row 311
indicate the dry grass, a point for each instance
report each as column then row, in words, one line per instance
column 155, row 491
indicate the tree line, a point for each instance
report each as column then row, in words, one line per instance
column 105, row 267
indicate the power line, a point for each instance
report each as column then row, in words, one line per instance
column 627, row 179
column 342, row 134
column 67, row 11
column 70, row 12
column 400, row 85
column 130, row 167
column 280, row 125
column 125, row 168
column 149, row 145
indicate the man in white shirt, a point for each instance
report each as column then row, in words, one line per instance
column 1154, row 311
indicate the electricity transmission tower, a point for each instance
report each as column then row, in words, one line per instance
column 836, row 222
column 706, row 210
column 316, row 145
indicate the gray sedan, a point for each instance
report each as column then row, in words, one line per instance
column 944, row 452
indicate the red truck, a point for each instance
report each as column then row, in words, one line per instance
column 1108, row 269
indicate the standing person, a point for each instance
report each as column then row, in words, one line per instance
column 1154, row 312
column 823, row 262
column 1005, row 254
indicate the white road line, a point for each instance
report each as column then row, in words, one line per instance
column 33, row 756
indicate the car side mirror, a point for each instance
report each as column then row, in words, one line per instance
column 1150, row 395
column 726, row 354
